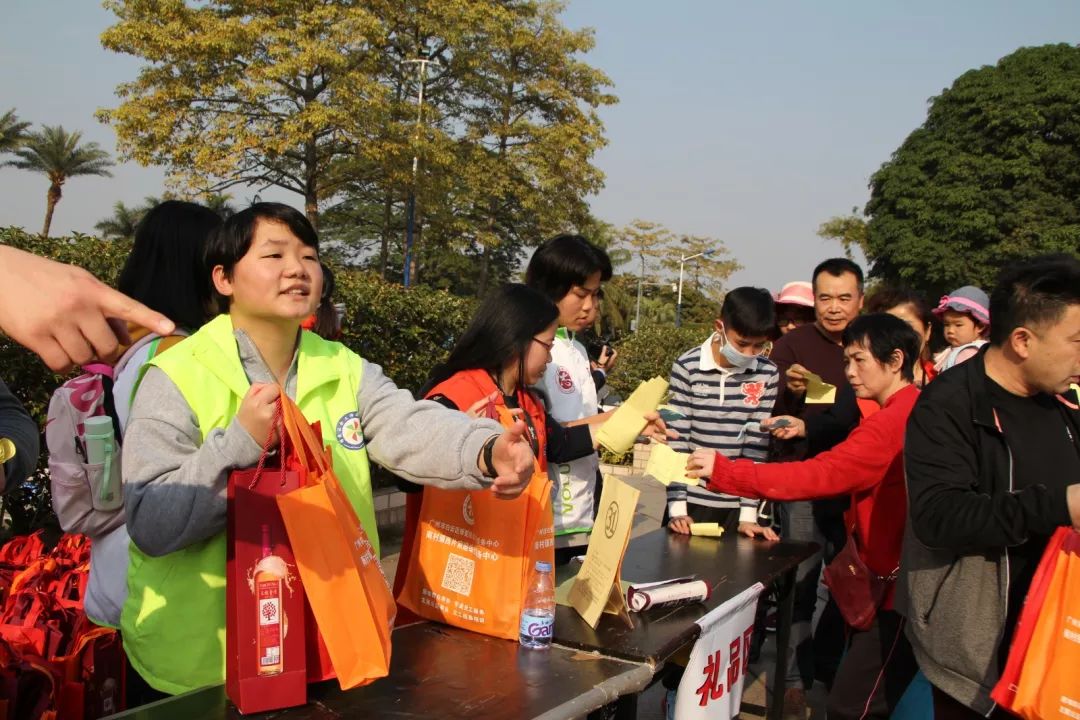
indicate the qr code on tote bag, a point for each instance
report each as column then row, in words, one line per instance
column 458, row 575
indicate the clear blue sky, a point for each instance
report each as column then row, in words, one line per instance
column 748, row 121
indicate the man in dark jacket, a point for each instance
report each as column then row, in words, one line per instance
column 992, row 456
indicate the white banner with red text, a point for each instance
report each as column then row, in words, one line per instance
column 712, row 685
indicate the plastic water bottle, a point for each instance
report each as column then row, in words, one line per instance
column 538, row 615
column 101, row 450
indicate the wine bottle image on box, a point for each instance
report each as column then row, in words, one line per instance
column 270, row 622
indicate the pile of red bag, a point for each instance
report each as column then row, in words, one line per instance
column 55, row 664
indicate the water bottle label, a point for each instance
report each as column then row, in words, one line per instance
column 537, row 626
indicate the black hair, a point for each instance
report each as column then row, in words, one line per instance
column 887, row 297
column 883, row 334
column 500, row 332
column 326, row 319
column 165, row 269
column 1033, row 293
column 749, row 311
column 563, row 262
column 837, row 267
column 233, row 239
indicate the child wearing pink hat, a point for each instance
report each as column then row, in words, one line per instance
column 794, row 306
column 965, row 315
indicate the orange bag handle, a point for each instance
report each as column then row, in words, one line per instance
column 310, row 449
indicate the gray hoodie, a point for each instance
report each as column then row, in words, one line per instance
column 175, row 481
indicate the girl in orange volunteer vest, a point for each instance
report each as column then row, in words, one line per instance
column 489, row 372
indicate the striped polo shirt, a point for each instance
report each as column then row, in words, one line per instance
column 718, row 404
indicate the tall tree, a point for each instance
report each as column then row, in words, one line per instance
column 531, row 125
column 254, row 92
column 991, row 177
column 60, row 155
column 12, row 131
column 122, row 223
column 503, row 146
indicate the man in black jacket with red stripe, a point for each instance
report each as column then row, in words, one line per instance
column 992, row 456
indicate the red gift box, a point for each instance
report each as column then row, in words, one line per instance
column 265, row 610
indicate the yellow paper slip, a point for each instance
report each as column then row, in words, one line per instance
column 596, row 588
column 706, row 529
column 819, row 392
column 626, row 423
column 667, row 466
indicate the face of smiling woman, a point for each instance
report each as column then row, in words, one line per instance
column 277, row 280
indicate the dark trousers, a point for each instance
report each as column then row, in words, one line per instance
column 875, row 672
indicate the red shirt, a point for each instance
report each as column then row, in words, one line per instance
column 869, row 466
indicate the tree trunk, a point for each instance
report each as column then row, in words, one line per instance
column 311, row 206
column 311, row 178
column 51, row 199
column 384, row 248
column 485, row 271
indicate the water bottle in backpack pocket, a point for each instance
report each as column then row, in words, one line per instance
column 84, row 454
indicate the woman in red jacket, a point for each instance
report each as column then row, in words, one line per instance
column 880, row 351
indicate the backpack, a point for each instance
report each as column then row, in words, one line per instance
column 71, row 478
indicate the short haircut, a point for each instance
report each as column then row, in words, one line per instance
column 837, row 267
column 1033, row 293
column 563, row 262
column 887, row 297
column 165, row 269
column 749, row 311
column 233, row 239
column 883, row 334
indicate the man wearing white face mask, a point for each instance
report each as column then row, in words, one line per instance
column 723, row 389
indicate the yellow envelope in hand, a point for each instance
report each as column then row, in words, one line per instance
column 626, row 423
column 819, row 392
column 706, row 529
column 667, row 466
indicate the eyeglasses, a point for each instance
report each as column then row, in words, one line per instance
column 547, row 345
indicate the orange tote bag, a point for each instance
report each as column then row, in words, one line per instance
column 1049, row 684
column 342, row 577
column 473, row 554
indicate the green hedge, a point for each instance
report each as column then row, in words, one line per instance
column 404, row 331
column 651, row 352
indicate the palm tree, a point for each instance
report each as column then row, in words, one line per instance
column 221, row 204
column 12, row 132
column 57, row 154
column 123, row 222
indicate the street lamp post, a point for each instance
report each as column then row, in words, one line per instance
column 678, row 302
column 422, row 63
column 637, row 317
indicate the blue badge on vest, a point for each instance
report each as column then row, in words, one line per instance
column 349, row 433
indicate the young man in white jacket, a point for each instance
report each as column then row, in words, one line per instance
column 570, row 270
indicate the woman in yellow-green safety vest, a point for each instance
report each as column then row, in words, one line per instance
column 206, row 407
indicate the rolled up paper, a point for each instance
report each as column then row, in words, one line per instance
column 670, row 594
column 706, row 529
